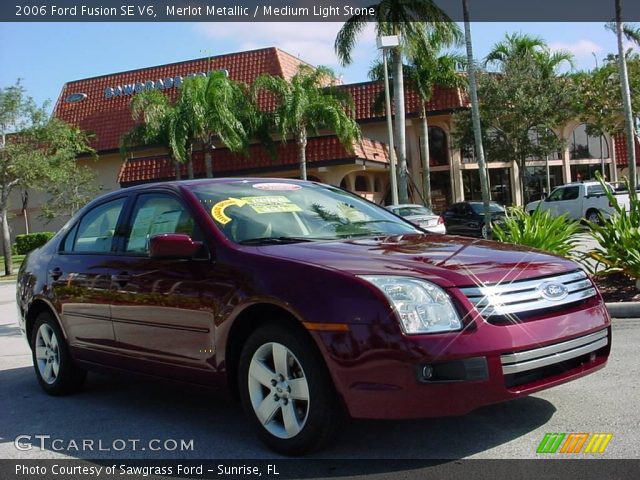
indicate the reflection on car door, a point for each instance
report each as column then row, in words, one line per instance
column 80, row 279
column 163, row 309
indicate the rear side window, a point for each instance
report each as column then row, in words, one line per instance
column 96, row 230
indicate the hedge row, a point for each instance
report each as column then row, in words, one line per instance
column 30, row 241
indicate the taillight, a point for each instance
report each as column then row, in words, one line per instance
column 440, row 220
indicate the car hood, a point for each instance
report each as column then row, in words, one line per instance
column 448, row 260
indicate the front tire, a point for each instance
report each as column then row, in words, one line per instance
column 287, row 392
column 56, row 371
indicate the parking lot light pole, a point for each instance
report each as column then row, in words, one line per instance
column 386, row 43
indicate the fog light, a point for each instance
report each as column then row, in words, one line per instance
column 427, row 372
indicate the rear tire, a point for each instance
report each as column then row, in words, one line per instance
column 56, row 371
column 286, row 391
column 593, row 216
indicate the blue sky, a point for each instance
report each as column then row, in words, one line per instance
column 46, row 55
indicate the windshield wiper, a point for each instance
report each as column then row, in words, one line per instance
column 274, row 240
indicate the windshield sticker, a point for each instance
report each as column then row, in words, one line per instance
column 217, row 211
column 271, row 204
column 276, row 186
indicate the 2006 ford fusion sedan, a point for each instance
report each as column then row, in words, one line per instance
column 307, row 302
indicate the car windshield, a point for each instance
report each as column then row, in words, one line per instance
column 412, row 210
column 254, row 212
column 493, row 208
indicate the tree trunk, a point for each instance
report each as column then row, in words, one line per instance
column 190, row 163
column 475, row 113
column 401, row 142
column 177, row 166
column 626, row 100
column 301, row 141
column 25, row 213
column 6, row 240
column 208, row 165
column 426, row 160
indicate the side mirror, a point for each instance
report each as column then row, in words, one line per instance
column 173, row 245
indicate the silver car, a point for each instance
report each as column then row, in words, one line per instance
column 420, row 216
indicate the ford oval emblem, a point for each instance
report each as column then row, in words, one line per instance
column 553, row 291
column 75, row 97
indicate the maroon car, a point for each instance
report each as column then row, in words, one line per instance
column 307, row 302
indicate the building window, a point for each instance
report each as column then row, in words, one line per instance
column 586, row 143
column 438, row 147
column 541, row 136
column 535, row 181
column 581, row 173
column 440, row 190
column 361, row 184
column 499, row 183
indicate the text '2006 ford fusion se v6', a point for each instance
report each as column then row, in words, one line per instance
column 307, row 302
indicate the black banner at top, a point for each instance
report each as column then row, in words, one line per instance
column 302, row 10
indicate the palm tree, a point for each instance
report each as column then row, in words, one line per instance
column 516, row 46
column 475, row 115
column 426, row 70
column 157, row 117
column 207, row 108
column 412, row 21
column 210, row 108
column 626, row 98
column 305, row 104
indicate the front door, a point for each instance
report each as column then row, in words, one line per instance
column 163, row 310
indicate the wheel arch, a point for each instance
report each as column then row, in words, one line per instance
column 38, row 306
column 249, row 320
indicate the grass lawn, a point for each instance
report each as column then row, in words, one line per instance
column 17, row 261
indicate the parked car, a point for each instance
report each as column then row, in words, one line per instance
column 467, row 218
column 305, row 301
column 581, row 200
column 420, row 216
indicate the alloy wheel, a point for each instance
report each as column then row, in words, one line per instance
column 47, row 350
column 278, row 390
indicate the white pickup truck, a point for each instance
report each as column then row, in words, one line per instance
column 580, row 200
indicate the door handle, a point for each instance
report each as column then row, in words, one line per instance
column 121, row 279
column 55, row 273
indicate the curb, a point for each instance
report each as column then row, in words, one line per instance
column 624, row 309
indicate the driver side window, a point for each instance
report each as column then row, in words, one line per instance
column 155, row 214
column 556, row 195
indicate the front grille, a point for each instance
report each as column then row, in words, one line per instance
column 526, row 296
column 553, row 354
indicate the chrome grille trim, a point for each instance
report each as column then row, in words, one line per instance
column 551, row 354
column 525, row 296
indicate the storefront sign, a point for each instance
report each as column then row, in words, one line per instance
column 159, row 84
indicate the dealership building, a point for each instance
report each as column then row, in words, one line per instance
column 101, row 106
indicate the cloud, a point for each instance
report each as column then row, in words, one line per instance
column 580, row 48
column 311, row 41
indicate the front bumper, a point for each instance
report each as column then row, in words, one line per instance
column 381, row 374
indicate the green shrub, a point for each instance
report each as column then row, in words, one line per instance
column 539, row 230
column 618, row 237
column 30, row 241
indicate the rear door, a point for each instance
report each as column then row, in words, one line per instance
column 80, row 278
column 571, row 203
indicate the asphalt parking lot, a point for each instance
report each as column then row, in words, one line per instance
column 110, row 410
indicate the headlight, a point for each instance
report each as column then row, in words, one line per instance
column 422, row 306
